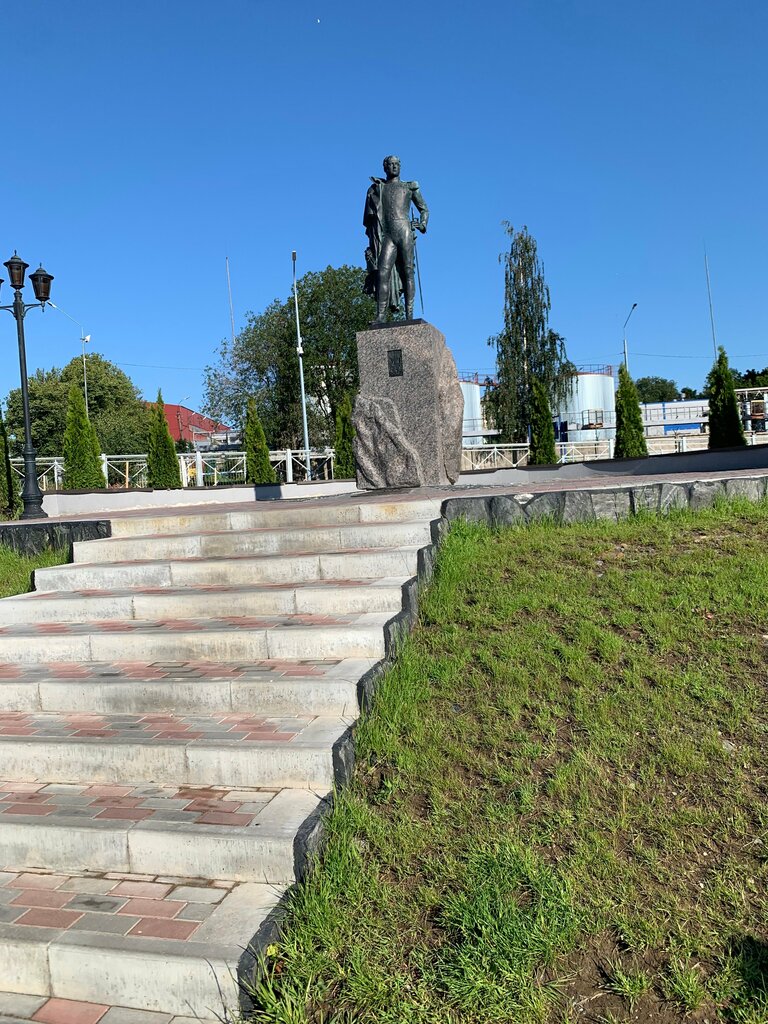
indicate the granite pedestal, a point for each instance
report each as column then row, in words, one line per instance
column 408, row 413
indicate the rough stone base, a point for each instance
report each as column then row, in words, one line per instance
column 409, row 411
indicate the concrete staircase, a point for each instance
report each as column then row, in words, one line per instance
column 169, row 705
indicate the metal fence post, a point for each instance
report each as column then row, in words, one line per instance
column 105, row 468
column 288, row 466
column 199, row 482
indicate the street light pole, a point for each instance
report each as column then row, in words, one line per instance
column 84, row 339
column 300, row 353
column 624, row 332
column 31, row 495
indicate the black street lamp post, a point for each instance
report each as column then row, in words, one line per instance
column 31, row 494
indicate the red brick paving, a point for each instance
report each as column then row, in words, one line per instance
column 69, row 1011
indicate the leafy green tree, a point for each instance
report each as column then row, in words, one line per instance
column 543, row 451
column 259, row 470
column 115, row 407
column 344, row 458
column 123, row 431
column 82, row 463
column 526, row 348
column 725, row 427
column 689, row 394
column 10, row 500
column 263, row 363
column 750, row 378
column 162, row 464
column 656, row 389
column 630, row 436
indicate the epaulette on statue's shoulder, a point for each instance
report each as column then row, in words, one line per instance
column 413, row 186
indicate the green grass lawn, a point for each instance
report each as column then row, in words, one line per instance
column 559, row 812
column 16, row 570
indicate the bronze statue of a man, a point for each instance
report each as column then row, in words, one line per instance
column 391, row 239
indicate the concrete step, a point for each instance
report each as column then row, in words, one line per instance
column 175, row 640
column 374, row 563
column 163, row 943
column 216, row 833
column 17, row 1008
column 270, row 688
column 239, row 751
column 299, row 540
column 318, row 597
column 309, row 513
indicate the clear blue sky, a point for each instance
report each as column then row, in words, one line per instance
column 145, row 141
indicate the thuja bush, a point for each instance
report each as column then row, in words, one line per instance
column 725, row 428
column 344, row 460
column 82, row 454
column 630, row 436
column 258, row 468
column 10, row 502
column 543, row 451
column 162, row 464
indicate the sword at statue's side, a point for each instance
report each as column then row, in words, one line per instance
column 416, row 261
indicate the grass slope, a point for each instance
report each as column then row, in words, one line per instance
column 559, row 812
column 16, row 570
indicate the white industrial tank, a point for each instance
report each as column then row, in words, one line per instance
column 473, row 424
column 589, row 410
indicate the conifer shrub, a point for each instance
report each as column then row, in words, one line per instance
column 543, row 451
column 162, row 464
column 82, row 455
column 10, row 500
column 258, row 468
column 344, row 460
column 630, row 436
column 725, row 427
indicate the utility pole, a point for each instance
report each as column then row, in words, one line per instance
column 624, row 332
column 709, row 295
column 300, row 353
column 84, row 339
column 231, row 308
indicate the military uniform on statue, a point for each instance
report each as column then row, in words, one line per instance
column 408, row 413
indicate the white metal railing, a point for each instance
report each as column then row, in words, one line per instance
column 212, row 469
column 494, row 456
column 197, row 469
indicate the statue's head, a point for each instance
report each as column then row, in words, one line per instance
column 392, row 166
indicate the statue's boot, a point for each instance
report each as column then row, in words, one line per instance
column 409, row 311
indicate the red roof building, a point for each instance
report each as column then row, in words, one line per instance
column 188, row 425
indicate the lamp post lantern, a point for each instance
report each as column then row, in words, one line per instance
column 31, row 495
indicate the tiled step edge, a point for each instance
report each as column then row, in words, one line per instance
column 265, row 850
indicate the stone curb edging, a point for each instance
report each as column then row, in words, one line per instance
column 565, row 506
column 591, row 504
column 34, row 538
